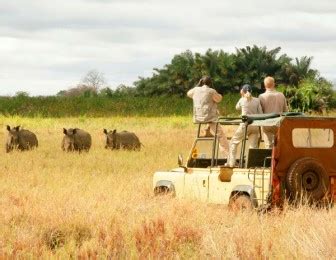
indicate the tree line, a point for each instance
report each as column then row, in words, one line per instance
column 303, row 86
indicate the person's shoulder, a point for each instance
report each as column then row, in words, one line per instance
column 210, row 89
column 280, row 93
column 240, row 100
column 191, row 91
column 261, row 95
column 213, row 91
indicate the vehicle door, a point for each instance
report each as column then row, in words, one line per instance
column 197, row 177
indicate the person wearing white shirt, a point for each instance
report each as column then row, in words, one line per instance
column 248, row 105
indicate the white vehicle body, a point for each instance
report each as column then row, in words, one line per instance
column 216, row 185
column 206, row 178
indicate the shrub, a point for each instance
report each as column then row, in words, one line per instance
column 310, row 95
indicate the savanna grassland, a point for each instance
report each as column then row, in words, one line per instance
column 100, row 204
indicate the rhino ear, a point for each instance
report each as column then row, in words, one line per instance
column 114, row 131
column 74, row 131
column 65, row 131
column 105, row 131
column 17, row 128
column 8, row 128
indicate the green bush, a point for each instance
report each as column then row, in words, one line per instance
column 310, row 95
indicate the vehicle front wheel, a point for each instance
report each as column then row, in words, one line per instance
column 162, row 190
column 240, row 202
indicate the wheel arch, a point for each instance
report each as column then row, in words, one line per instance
column 245, row 190
column 164, row 184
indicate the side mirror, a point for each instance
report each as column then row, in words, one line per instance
column 180, row 160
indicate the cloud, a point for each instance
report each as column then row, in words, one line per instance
column 47, row 46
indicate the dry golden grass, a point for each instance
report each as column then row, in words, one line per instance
column 100, row 204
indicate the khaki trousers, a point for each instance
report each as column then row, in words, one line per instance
column 269, row 133
column 252, row 133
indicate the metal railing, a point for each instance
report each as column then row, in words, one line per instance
column 264, row 192
column 259, row 189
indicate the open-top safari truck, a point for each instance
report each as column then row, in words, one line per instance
column 301, row 164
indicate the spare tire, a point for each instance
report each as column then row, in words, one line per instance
column 307, row 178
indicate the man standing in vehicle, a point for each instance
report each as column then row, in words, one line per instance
column 205, row 100
column 271, row 101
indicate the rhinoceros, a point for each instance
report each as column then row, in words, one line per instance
column 76, row 139
column 124, row 140
column 21, row 139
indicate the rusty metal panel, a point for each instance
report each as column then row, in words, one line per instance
column 285, row 154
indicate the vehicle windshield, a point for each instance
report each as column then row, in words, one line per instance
column 203, row 149
column 201, row 154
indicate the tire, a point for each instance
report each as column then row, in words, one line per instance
column 240, row 202
column 162, row 191
column 307, row 178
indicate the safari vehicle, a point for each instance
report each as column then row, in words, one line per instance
column 301, row 164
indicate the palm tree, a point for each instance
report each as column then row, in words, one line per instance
column 293, row 73
column 255, row 63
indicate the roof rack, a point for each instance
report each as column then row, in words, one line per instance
column 250, row 118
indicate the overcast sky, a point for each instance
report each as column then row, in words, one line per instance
column 47, row 46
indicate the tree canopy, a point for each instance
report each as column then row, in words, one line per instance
column 228, row 70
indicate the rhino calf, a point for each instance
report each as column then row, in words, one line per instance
column 124, row 140
column 21, row 139
column 76, row 139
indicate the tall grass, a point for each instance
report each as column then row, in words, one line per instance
column 103, row 106
column 100, row 204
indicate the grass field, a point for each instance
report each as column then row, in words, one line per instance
column 100, row 204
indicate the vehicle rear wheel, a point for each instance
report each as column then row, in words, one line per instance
column 307, row 178
column 240, row 202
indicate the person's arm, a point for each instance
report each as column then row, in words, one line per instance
column 238, row 105
column 285, row 109
column 216, row 97
column 190, row 93
column 261, row 103
column 260, row 111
